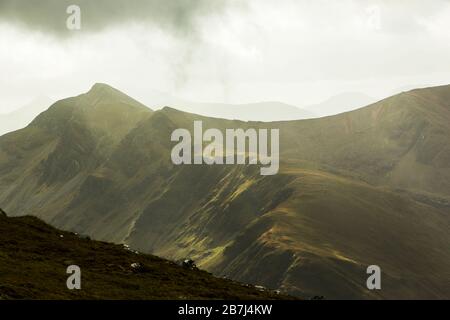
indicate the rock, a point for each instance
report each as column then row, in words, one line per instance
column 3, row 213
column 138, row 267
column 189, row 264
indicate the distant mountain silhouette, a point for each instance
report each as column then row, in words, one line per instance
column 262, row 111
column 340, row 103
column 21, row 117
column 258, row 111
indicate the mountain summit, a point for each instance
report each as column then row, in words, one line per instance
column 101, row 93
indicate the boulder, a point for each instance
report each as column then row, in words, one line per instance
column 189, row 264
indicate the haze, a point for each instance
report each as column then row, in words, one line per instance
column 296, row 52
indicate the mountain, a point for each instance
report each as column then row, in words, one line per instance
column 20, row 118
column 35, row 256
column 340, row 103
column 259, row 111
column 262, row 111
column 366, row 187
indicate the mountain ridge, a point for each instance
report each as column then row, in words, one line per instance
column 353, row 189
column 31, row 248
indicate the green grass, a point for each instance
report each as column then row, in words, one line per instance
column 34, row 258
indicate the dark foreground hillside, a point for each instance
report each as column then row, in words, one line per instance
column 34, row 257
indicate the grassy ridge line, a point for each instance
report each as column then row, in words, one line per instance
column 34, row 257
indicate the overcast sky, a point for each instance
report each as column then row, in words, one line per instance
column 298, row 52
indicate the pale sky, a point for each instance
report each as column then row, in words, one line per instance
column 297, row 52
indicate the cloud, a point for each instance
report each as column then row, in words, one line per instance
column 49, row 16
column 296, row 51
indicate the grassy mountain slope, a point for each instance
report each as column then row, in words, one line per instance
column 49, row 159
column 34, row 258
column 402, row 141
column 371, row 186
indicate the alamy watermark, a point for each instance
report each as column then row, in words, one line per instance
column 73, row 21
column 239, row 147
column 74, row 280
column 374, row 280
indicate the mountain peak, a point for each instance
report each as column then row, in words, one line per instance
column 102, row 93
column 103, row 89
column 101, row 84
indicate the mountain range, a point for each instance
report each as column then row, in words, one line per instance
column 260, row 111
column 340, row 103
column 365, row 187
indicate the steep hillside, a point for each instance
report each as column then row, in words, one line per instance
column 46, row 161
column 402, row 141
column 34, row 258
column 371, row 186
